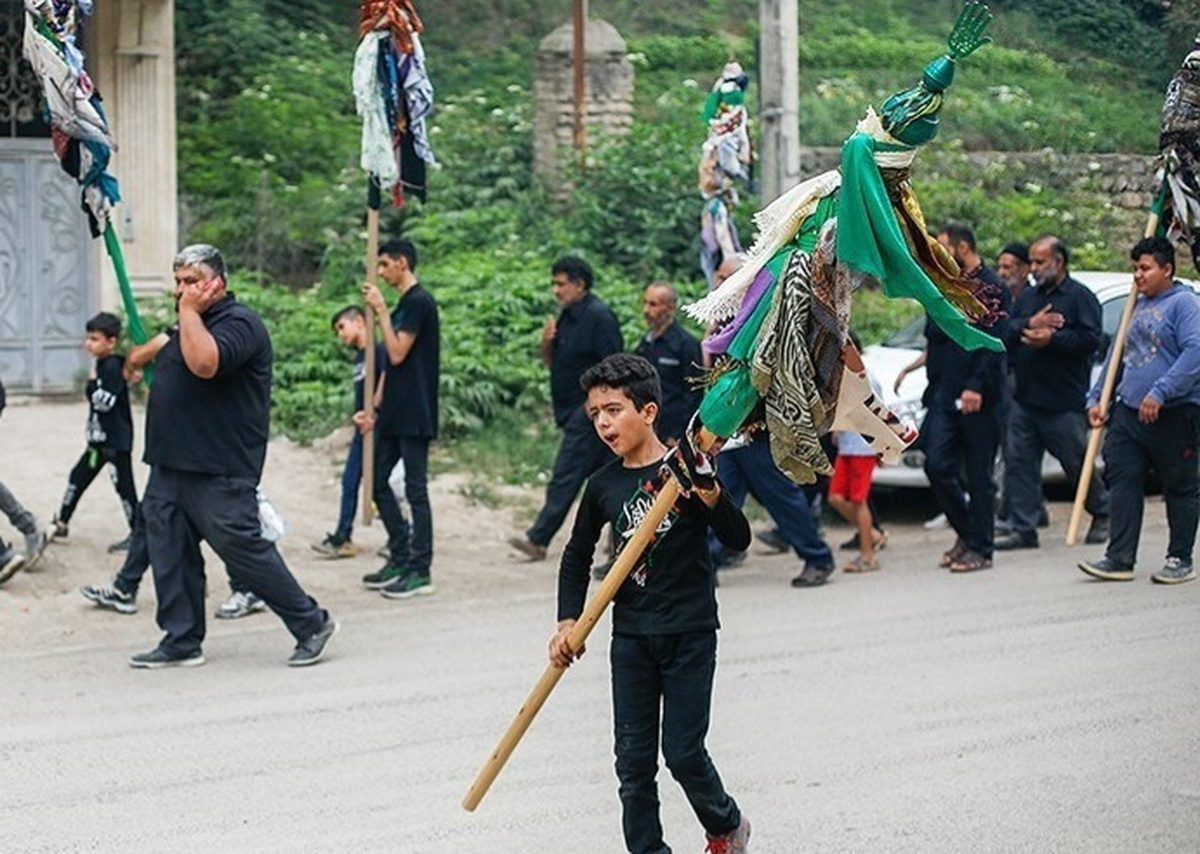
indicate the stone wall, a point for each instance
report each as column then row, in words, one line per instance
column 1127, row 179
column 609, row 91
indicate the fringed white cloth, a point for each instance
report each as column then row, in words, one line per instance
column 777, row 224
column 378, row 155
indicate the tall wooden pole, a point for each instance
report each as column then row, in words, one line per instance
column 368, row 461
column 579, row 67
column 779, row 96
column 1106, row 393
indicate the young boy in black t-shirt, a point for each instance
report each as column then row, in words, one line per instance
column 664, row 640
column 109, row 428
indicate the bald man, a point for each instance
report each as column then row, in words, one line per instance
column 675, row 354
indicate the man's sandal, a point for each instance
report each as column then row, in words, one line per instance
column 955, row 552
column 970, row 561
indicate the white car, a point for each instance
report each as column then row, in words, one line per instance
column 885, row 361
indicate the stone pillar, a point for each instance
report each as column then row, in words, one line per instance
column 609, row 94
column 132, row 51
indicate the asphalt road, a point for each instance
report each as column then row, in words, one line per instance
column 1023, row 709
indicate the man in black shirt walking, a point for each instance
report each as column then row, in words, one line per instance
column 207, row 425
column 1052, row 337
column 675, row 354
column 585, row 332
column 408, row 421
column 963, row 400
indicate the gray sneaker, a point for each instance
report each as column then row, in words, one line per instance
column 1175, row 571
column 313, row 650
column 110, row 597
column 158, row 658
column 35, row 545
column 11, row 562
column 240, row 605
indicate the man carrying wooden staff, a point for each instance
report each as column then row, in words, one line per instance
column 1155, row 420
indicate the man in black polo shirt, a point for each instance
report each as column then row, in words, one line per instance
column 407, row 422
column 207, row 425
column 1052, row 337
column 585, row 332
column 675, row 354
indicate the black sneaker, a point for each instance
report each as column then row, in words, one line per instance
column 408, row 586
column 119, row 546
column 158, row 658
column 773, row 540
column 386, row 575
column 110, row 597
column 1107, row 570
column 1097, row 532
column 313, row 650
column 813, row 575
column 1016, row 540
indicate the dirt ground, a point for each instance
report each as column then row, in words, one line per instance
column 40, row 441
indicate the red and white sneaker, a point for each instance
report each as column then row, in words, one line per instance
column 735, row 842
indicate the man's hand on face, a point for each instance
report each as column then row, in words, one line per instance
column 200, row 296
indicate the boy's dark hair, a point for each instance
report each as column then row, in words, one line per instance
column 401, row 247
column 575, row 269
column 108, row 325
column 631, row 375
column 959, row 232
column 1158, row 247
column 1018, row 250
column 350, row 311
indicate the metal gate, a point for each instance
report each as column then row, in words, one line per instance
column 47, row 274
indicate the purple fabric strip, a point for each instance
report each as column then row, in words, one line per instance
column 719, row 341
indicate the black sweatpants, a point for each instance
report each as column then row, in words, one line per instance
column 1131, row 449
column 183, row 508
column 85, row 471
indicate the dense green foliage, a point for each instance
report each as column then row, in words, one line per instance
column 268, row 147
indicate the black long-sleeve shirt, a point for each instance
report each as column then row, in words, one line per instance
column 951, row 370
column 672, row 588
column 1055, row 378
column 586, row 332
column 676, row 356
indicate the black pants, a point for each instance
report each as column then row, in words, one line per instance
column 85, row 471
column 137, row 561
column 580, row 453
column 1031, row 433
column 955, row 442
column 665, row 678
column 1131, row 449
column 183, row 508
column 409, row 547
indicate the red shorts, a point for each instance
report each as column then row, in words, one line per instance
column 852, row 478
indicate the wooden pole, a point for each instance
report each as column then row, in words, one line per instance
column 368, row 462
column 1106, row 392
column 591, row 615
column 579, row 67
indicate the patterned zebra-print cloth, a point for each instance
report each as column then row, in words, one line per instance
column 797, row 365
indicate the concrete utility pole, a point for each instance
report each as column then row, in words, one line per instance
column 579, row 68
column 779, row 96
